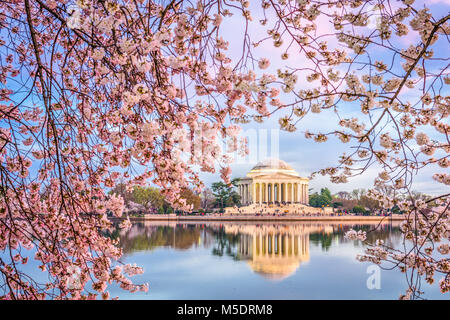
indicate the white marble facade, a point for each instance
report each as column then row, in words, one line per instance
column 273, row 181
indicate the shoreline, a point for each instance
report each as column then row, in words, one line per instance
column 158, row 217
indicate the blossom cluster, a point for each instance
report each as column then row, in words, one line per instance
column 109, row 102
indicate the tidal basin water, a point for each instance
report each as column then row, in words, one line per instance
column 241, row 260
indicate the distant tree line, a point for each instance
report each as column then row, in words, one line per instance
column 355, row 201
column 150, row 200
column 221, row 195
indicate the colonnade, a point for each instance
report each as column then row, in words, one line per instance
column 271, row 191
column 272, row 244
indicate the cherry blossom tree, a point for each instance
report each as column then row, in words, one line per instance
column 387, row 60
column 94, row 92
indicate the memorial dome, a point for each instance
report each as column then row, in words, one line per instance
column 272, row 166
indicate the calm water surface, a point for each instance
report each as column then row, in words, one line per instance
column 240, row 260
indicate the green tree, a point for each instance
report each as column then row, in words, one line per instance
column 148, row 197
column 359, row 209
column 337, row 204
column 323, row 239
column 325, row 192
column 316, row 200
column 225, row 195
column 321, row 200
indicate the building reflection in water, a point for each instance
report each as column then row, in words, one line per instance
column 274, row 251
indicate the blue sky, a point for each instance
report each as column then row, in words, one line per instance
column 305, row 155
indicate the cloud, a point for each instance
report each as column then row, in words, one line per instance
column 305, row 155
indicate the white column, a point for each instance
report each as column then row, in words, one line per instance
column 293, row 191
column 304, row 193
column 285, row 192
column 272, row 192
column 253, row 186
column 279, row 192
column 246, row 193
column 260, row 192
column 301, row 192
column 263, row 190
column 290, row 192
column 307, row 194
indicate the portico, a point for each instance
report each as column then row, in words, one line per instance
column 273, row 181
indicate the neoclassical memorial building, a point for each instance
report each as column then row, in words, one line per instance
column 273, row 181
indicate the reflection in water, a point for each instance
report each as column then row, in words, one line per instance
column 240, row 260
column 273, row 250
column 148, row 236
